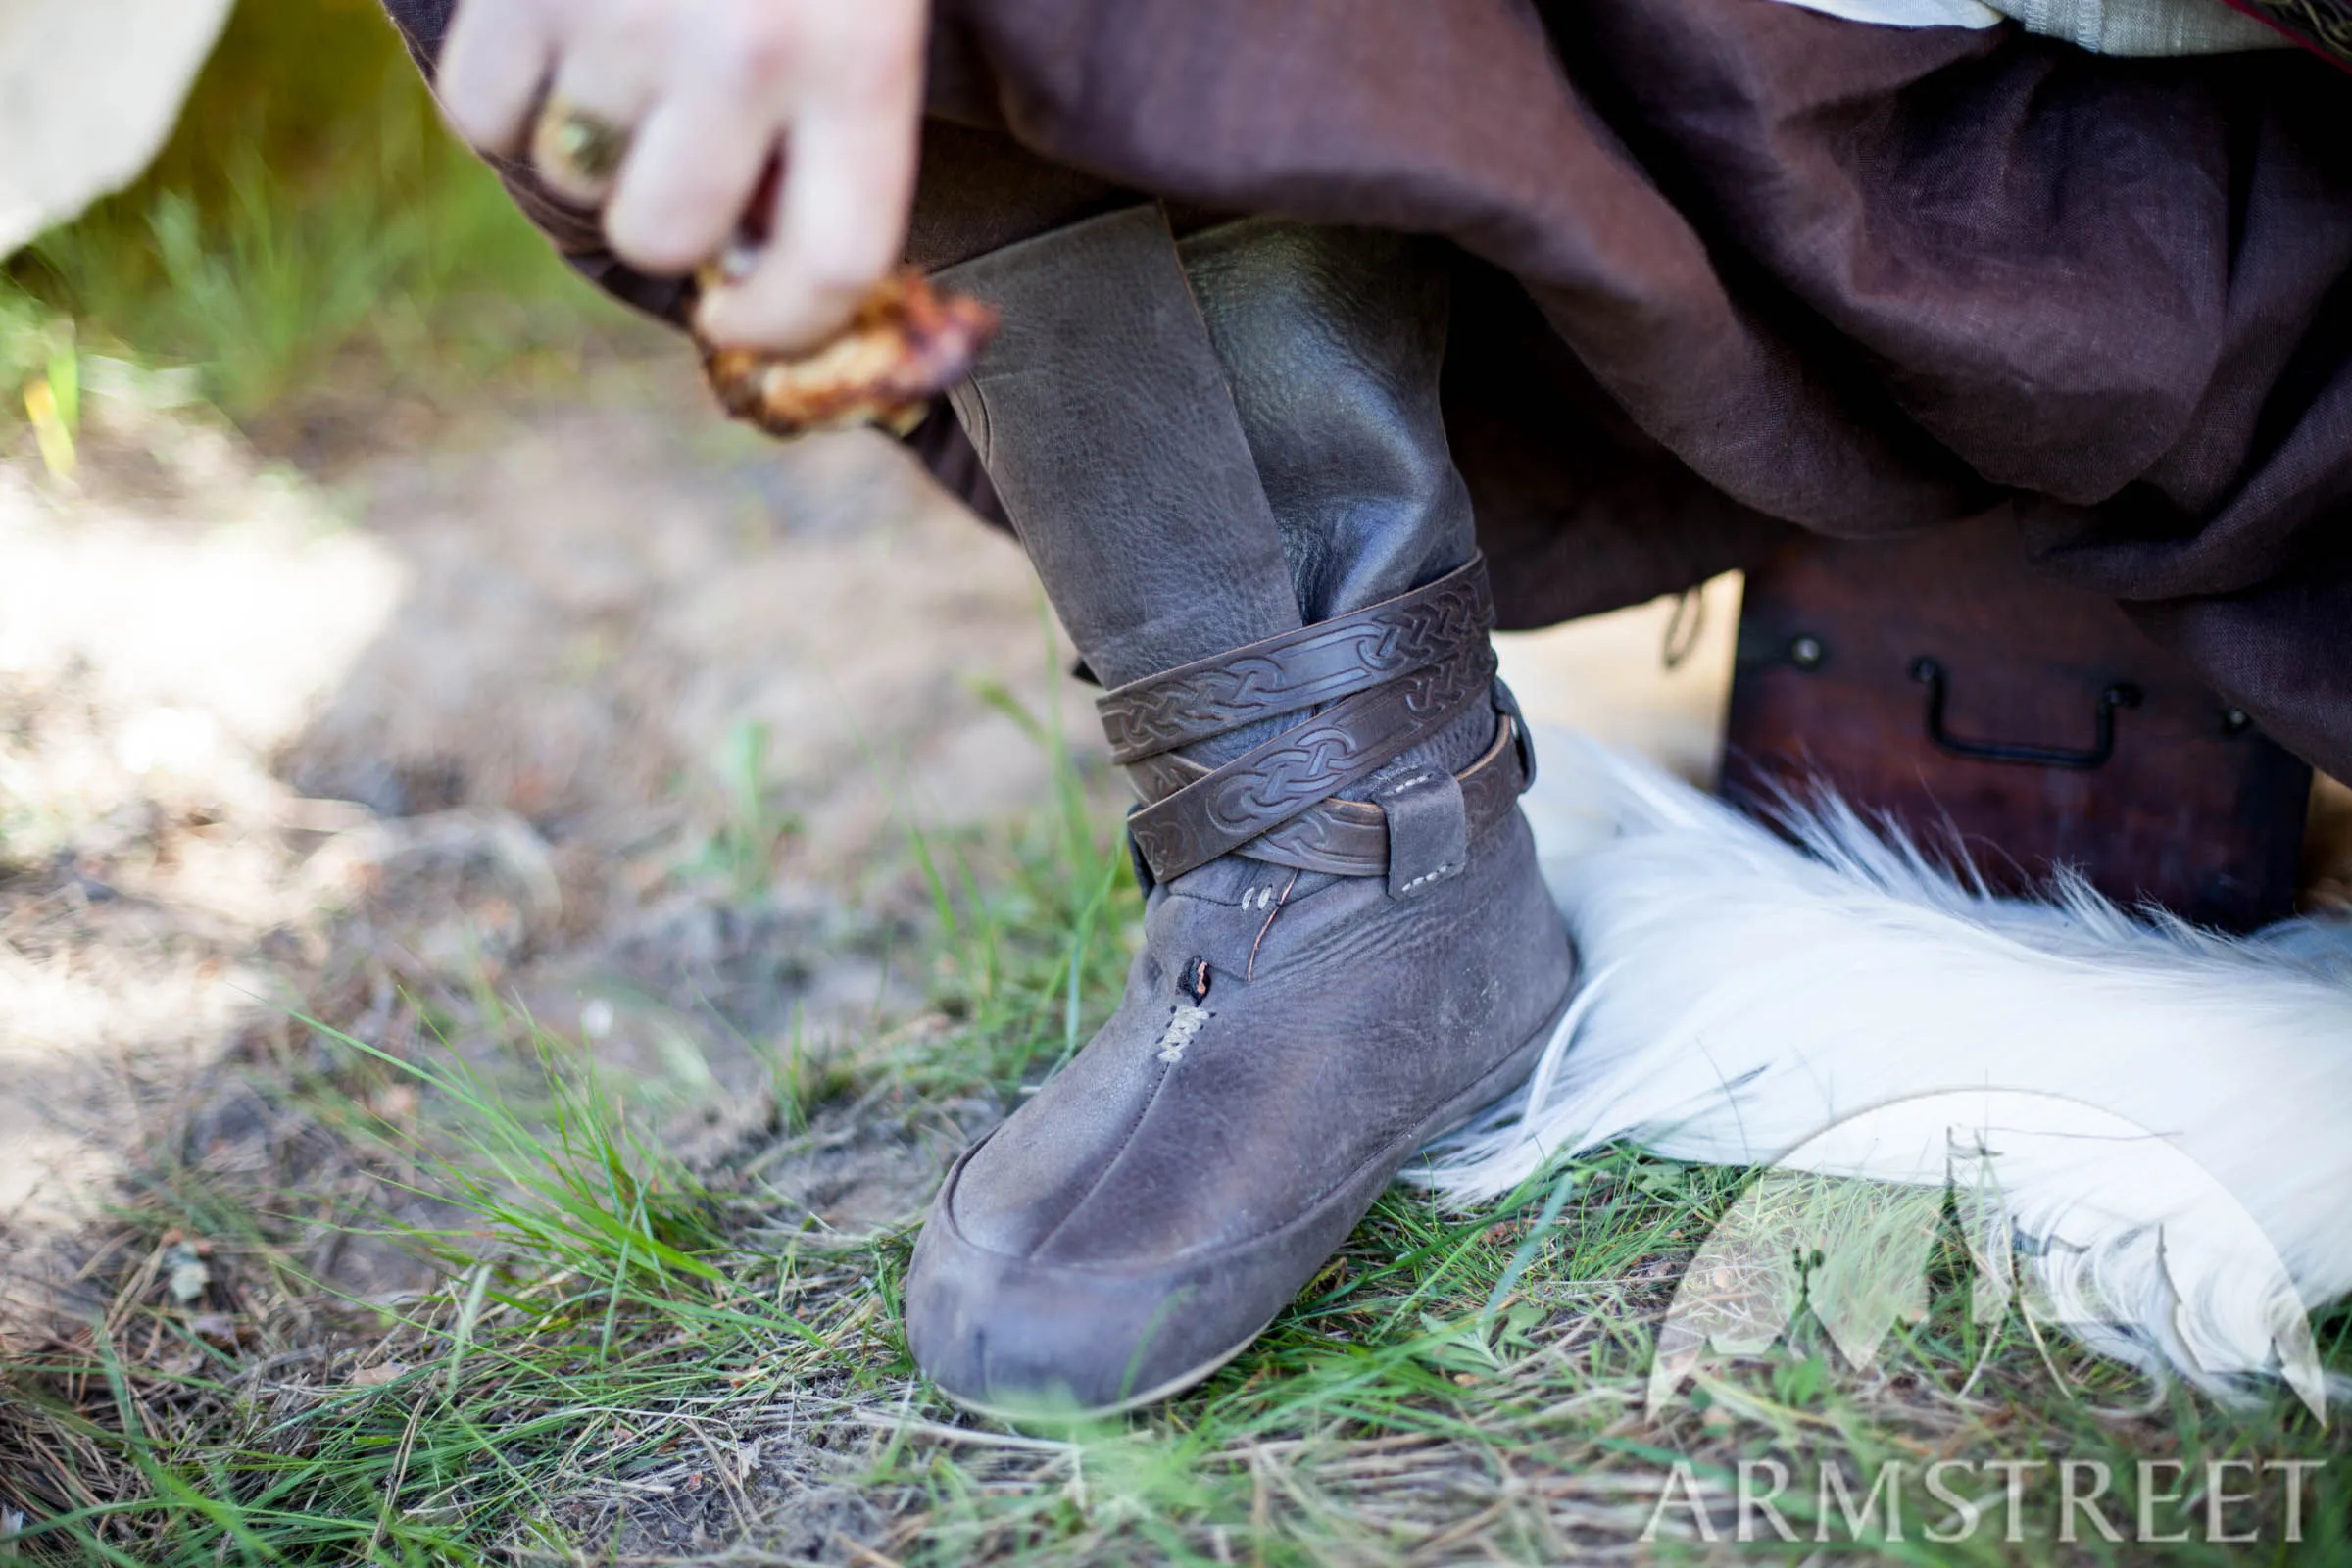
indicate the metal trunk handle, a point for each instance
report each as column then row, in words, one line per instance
column 2121, row 694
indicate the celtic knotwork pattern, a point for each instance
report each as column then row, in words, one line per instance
column 1351, row 837
column 1320, row 664
column 1325, row 838
column 1274, row 782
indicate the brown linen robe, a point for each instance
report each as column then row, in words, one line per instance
column 1730, row 265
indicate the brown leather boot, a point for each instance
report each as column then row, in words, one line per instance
column 1227, row 464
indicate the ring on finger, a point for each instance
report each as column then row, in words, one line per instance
column 576, row 147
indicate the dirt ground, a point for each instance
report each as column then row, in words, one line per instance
column 540, row 707
column 593, row 713
column 603, row 702
column 536, row 700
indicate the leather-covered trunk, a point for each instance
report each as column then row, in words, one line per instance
column 1938, row 680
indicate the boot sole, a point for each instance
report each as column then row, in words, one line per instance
column 1490, row 1086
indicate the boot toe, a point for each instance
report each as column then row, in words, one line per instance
column 1017, row 1335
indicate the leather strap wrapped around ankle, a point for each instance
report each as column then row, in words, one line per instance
column 1352, row 838
column 1394, row 675
column 1299, row 670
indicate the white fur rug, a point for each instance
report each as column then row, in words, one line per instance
column 2163, row 1115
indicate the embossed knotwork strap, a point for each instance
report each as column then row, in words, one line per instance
column 1277, row 781
column 1316, row 664
column 1351, row 837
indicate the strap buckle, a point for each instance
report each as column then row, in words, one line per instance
column 1506, row 703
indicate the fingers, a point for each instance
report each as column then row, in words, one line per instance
column 668, row 114
column 691, row 174
column 842, row 223
column 493, row 64
column 612, row 68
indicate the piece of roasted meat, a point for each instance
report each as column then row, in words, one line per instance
column 906, row 345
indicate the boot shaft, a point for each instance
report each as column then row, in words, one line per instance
column 1227, row 461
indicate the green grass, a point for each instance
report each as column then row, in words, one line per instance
column 311, row 230
column 620, row 1350
column 620, row 1344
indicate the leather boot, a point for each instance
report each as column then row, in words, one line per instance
column 1235, row 490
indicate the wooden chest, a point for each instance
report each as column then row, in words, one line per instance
column 1939, row 680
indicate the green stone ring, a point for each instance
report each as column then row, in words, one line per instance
column 575, row 148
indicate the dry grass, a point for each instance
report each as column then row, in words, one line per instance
column 435, row 1261
column 476, row 946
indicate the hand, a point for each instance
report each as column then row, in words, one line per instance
column 710, row 95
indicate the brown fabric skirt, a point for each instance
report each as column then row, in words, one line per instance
column 1730, row 265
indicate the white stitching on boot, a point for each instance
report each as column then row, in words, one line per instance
column 1182, row 1025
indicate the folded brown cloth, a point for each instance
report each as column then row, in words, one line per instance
column 1731, row 265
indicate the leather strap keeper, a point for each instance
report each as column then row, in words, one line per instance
column 1392, row 675
column 1271, row 783
column 1352, row 838
column 1429, row 830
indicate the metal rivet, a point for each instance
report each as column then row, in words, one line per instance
column 2236, row 721
column 1805, row 652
